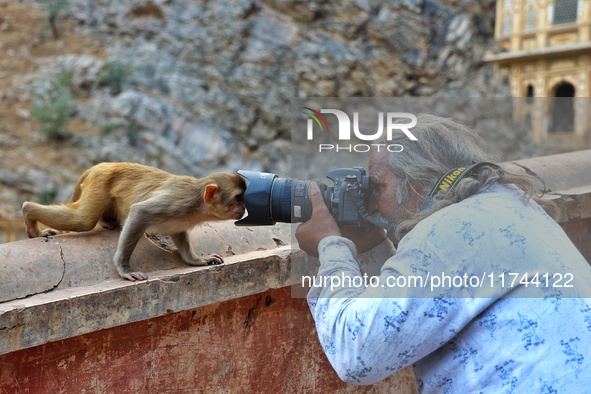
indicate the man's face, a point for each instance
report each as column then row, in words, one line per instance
column 385, row 185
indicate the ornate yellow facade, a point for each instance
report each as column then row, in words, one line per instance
column 545, row 50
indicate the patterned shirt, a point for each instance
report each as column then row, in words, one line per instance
column 514, row 316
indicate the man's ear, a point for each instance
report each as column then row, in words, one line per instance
column 211, row 193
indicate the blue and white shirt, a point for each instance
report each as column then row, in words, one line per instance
column 503, row 329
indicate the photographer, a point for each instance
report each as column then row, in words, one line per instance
column 502, row 337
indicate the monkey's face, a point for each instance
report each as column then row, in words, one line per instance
column 232, row 206
column 228, row 197
column 237, row 202
column 237, row 207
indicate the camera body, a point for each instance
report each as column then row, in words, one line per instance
column 270, row 199
column 351, row 187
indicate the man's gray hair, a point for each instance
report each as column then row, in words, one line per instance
column 443, row 144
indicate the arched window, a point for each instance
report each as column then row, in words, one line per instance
column 562, row 116
column 529, row 94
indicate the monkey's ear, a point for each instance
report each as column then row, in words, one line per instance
column 211, row 192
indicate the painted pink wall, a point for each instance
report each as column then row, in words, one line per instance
column 260, row 343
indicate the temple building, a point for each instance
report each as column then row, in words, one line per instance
column 544, row 48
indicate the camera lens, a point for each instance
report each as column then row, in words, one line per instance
column 288, row 194
column 281, row 200
column 270, row 199
column 302, row 206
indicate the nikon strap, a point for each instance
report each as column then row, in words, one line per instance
column 450, row 179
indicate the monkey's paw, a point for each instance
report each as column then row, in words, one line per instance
column 196, row 261
column 48, row 232
column 214, row 259
column 133, row 276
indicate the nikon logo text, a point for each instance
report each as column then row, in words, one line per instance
column 392, row 122
column 450, row 179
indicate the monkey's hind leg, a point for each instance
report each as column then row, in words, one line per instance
column 69, row 217
column 181, row 241
column 31, row 227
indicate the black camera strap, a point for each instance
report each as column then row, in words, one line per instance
column 450, row 179
column 365, row 215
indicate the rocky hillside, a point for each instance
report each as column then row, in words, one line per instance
column 194, row 86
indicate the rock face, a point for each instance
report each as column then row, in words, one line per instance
column 208, row 86
column 209, row 79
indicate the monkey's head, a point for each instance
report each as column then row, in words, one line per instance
column 225, row 195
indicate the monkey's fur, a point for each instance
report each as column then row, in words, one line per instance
column 142, row 198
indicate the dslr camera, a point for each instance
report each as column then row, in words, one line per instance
column 270, row 199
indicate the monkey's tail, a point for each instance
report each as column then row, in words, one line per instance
column 78, row 188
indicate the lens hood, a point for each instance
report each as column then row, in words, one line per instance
column 256, row 198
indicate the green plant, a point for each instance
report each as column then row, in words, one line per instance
column 53, row 106
column 55, row 8
column 114, row 76
column 111, row 125
column 133, row 132
column 47, row 197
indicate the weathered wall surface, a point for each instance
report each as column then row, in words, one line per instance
column 264, row 343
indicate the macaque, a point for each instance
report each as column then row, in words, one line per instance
column 142, row 199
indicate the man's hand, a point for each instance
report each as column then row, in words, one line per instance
column 320, row 225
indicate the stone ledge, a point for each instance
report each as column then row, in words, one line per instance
column 67, row 285
column 566, row 177
column 531, row 54
column 80, row 259
column 559, row 173
column 69, row 312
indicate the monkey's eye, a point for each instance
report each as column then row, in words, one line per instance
column 239, row 198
